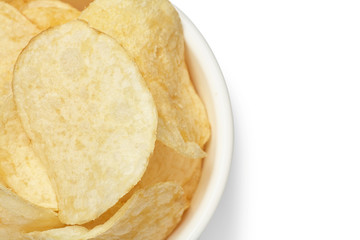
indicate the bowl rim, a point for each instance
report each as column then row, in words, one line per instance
column 225, row 134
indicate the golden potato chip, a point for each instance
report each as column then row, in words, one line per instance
column 89, row 114
column 20, row 168
column 164, row 165
column 167, row 165
column 151, row 31
column 49, row 13
column 20, row 214
column 150, row 214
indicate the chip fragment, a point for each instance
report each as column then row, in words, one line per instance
column 150, row 214
column 89, row 115
column 21, row 169
column 151, row 31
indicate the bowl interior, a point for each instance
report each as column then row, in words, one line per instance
column 210, row 85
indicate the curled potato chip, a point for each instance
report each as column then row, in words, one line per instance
column 151, row 32
column 20, row 167
column 22, row 215
column 89, row 114
column 150, row 214
column 49, row 13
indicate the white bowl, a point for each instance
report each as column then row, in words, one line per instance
column 210, row 84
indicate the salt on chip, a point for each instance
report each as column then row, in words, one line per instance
column 89, row 115
column 17, row 213
column 20, row 167
column 49, row 13
column 151, row 31
column 150, row 214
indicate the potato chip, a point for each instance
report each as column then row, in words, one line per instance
column 151, row 31
column 49, row 13
column 167, row 165
column 164, row 165
column 89, row 114
column 20, row 214
column 20, row 168
column 150, row 214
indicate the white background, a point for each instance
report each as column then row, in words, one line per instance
column 293, row 72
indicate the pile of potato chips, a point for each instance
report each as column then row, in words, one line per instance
column 102, row 133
